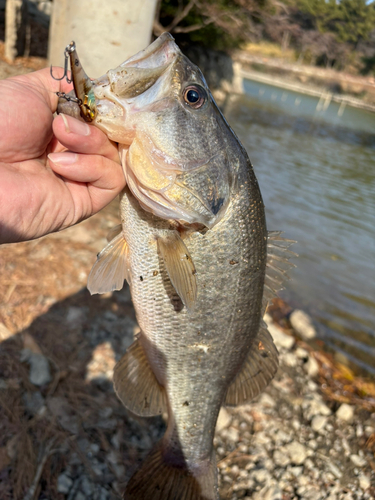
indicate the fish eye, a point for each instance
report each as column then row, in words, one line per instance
column 195, row 96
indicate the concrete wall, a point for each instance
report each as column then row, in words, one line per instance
column 106, row 32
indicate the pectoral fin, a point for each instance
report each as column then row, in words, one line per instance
column 258, row 370
column 136, row 385
column 180, row 267
column 111, row 267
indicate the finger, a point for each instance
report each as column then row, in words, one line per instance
column 93, row 181
column 81, row 137
column 97, row 170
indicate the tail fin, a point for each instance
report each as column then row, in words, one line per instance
column 157, row 479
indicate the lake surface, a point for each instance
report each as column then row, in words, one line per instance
column 315, row 162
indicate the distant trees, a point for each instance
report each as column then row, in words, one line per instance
column 323, row 32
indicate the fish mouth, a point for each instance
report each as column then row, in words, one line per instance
column 132, row 78
column 160, row 53
column 138, row 73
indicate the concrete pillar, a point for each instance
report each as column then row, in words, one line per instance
column 106, row 32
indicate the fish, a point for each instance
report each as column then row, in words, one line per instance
column 194, row 247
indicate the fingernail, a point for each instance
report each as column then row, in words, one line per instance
column 74, row 126
column 63, row 158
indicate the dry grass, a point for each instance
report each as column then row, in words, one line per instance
column 268, row 49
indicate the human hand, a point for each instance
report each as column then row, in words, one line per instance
column 43, row 188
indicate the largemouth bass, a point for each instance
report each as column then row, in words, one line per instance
column 194, row 247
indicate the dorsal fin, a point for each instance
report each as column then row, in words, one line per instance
column 278, row 255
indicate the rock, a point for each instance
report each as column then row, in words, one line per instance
column 261, row 475
column 80, row 496
column 268, row 493
column 75, row 315
column 281, row 339
column 302, row 324
column 296, row 471
column 232, row 434
column 86, row 486
column 335, row 470
column 103, row 494
column 313, row 405
column 102, row 363
column 364, row 482
column 94, row 448
column 33, row 401
column 39, row 367
column 297, row 452
column 318, row 423
column 290, row 359
column 357, row 460
column 64, row 483
column 310, row 493
column 65, row 415
column 266, row 400
column 312, row 367
column 224, row 419
column 281, row 458
column 345, row 412
column 302, row 353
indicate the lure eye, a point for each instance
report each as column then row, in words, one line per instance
column 195, row 96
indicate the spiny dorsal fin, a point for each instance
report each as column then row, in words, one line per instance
column 136, row 385
column 256, row 373
column 180, row 267
column 111, row 267
column 278, row 255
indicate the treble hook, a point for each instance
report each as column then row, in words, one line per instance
column 68, row 50
column 69, row 98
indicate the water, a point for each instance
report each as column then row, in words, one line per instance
column 315, row 163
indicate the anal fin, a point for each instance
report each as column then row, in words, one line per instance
column 180, row 267
column 136, row 385
column 257, row 371
column 111, row 267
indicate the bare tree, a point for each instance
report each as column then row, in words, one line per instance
column 16, row 22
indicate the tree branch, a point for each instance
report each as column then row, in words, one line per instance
column 181, row 16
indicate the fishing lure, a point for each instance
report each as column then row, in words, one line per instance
column 83, row 88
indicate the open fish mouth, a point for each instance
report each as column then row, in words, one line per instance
column 158, row 53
